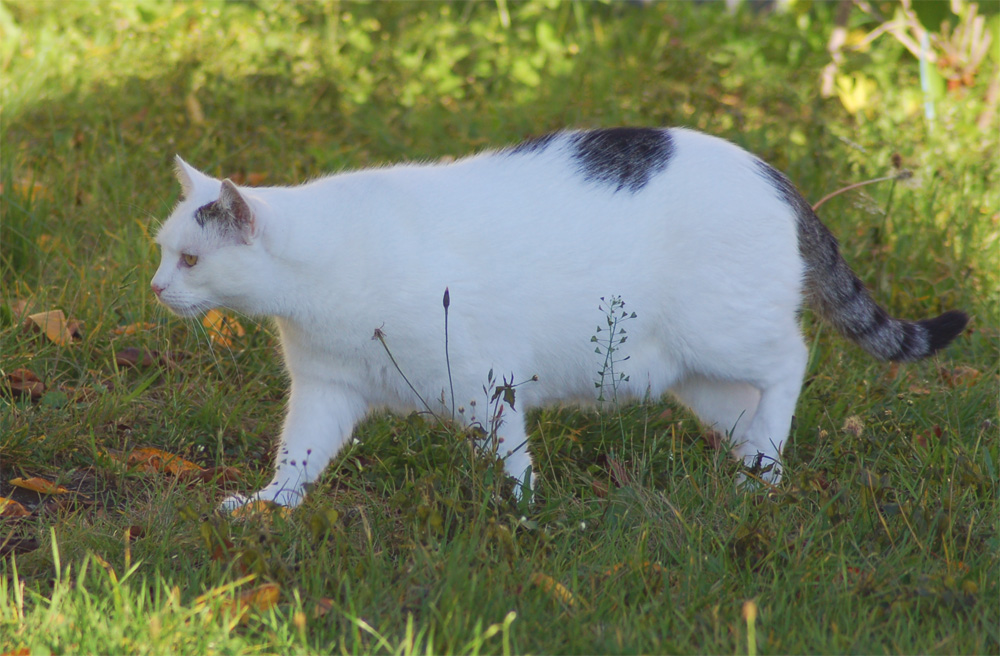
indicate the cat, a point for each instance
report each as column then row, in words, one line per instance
column 714, row 250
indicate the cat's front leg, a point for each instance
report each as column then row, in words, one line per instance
column 320, row 419
column 517, row 462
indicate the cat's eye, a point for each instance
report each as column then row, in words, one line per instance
column 188, row 259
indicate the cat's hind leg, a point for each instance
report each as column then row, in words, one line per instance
column 767, row 433
column 725, row 406
column 319, row 421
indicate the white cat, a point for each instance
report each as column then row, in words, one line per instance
column 712, row 248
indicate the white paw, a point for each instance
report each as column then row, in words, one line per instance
column 232, row 503
column 524, row 487
column 760, row 469
column 281, row 494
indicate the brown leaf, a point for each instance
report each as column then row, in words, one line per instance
column 258, row 508
column 53, row 323
column 649, row 566
column 134, row 328
column 11, row 508
column 960, row 375
column 21, row 308
column 260, row 598
column 222, row 329
column 554, row 588
column 24, row 382
column 134, row 533
column 39, row 485
column 151, row 459
column 134, row 357
column 220, row 475
column 322, row 607
column 223, row 551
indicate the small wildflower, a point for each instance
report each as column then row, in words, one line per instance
column 853, row 425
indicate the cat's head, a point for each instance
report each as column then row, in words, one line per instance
column 212, row 250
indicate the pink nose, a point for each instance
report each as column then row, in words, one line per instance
column 156, row 288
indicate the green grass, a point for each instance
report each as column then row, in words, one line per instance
column 883, row 538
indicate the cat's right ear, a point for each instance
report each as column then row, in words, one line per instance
column 188, row 176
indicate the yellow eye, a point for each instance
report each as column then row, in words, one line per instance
column 189, row 260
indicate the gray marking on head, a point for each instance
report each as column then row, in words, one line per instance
column 624, row 158
column 212, row 213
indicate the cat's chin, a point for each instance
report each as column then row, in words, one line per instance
column 188, row 311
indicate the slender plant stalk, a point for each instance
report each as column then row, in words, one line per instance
column 447, row 357
column 905, row 174
column 380, row 336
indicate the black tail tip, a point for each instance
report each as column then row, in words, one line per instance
column 945, row 328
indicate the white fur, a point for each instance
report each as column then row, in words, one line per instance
column 705, row 254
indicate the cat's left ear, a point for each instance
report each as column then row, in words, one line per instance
column 188, row 176
column 239, row 215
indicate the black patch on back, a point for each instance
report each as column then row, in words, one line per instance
column 625, row 158
column 533, row 145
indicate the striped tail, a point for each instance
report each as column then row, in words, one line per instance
column 839, row 297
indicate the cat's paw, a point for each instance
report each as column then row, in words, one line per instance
column 524, row 488
column 759, row 469
column 229, row 504
column 277, row 493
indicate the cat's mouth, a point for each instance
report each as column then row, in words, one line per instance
column 187, row 310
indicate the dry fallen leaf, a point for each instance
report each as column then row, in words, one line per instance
column 260, row 598
column 222, row 329
column 553, row 588
column 960, row 375
column 322, row 607
column 134, row 328
column 54, row 324
column 21, row 308
column 11, row 508
column 260, row 508
column 20, row 651
column 39, row 485
column 654, row 568
column 24, row 382
column 134, row 357
column 221, row 475
column 151, row 459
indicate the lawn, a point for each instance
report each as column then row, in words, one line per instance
column 882, row 538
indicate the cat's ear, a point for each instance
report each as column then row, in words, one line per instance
column 239, row 215
column 188, row 176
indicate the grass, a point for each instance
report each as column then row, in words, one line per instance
column 883, row 537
